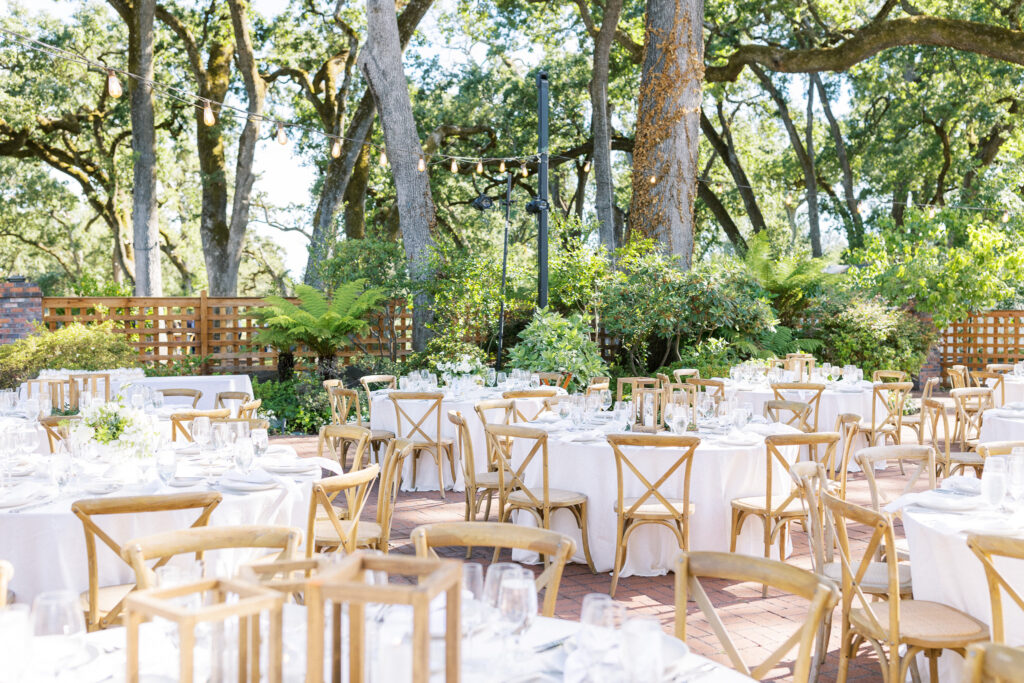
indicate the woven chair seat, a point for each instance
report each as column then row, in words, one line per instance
column 487, row 480
column 926, row 624
column 381, row 435
column 326, row 535
column 654, row 508
column 107, row 597
column 876, row 578
column 557, row 498
column 757, row 504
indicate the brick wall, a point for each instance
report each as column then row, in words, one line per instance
column 21, row 306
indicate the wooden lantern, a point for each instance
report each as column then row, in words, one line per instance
column 642, row 398
column 347, row 585
column 252, row 601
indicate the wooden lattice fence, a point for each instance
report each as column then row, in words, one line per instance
column 983, row 338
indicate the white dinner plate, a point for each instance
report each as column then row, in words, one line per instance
column 101, row 487
column 246, row 486
column 13, row 499
column 739, row 442
column 185, row 482
column 947, row 500
column 289, row 466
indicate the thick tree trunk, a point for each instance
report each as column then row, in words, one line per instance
column 810, row 177
column 381, row 65
column 145, row 229
column 668, row 125
column 600, row 125
column 855, row 237
column 355, row 197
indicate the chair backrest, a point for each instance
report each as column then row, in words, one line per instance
column 220, row 400
column 181, row 421
column 680, row 374
column 343, row 403
column 500, row 441
column 465, row 444
column 633, row 383
column 775, row 457
column 62, row 393
column 854, row 569
column 994, row 663
column 426, row 428
column 792, row 413
column 801, row 364
column 597, row 384
column 556, row 548
column 626, row 467
column 93, row 383
column 805, row 392
column 336, row 439
column 253, row 423
column 506, row 408
column 846, row 425
column 820, row 593
column 540, row 392
column 933, row 413
column 198, row 540
column 1000, row 367
column 521, row 411
column 929, row 387
column 194, row 394
column 57, row 428
column 554, row 379
column 971, row 403
column 354, row 487
column 992, row 380
column 88, row 509
column 922, row 457
column 662, row 378
column 888, row 376
column 387, row 492
column 957, row 376
column 812, row 480
column 998, row 448
column 987, row 547
column 6, row 574
column 887, row 401
column 248, row 409
column 389, row 381
column 713, row 387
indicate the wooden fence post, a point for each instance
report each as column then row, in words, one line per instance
column 204, row 331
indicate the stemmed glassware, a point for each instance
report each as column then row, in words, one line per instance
column 517, row 601
column 260, row 443
column 58, row 625
column 202, row 432
column 993, row 481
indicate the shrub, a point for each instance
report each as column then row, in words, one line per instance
column 712, row 357
column 74, row 347
column 867, row 333
column 445, row 349
column 790, row 281
column 295, row 406
column 554, row 343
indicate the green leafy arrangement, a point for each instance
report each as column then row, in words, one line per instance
column 75, row 346
column 445, row 349
column 295, row 406
column 789, row 281
column 555, row 343
column 321, row 325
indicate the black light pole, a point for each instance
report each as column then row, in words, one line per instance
column 504, row 263
column 542, row 193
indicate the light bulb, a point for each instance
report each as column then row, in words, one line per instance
column 113, row 85
column 383, row 161
column 208, row 117
column 931, row 212
column 525, row 172
column 455, row 166
column 586, row 166
column 336, row 149
column 653, row 180
column 501, row 166
column 421, row 165
column 281, row 137
column 480, row 167
column 1006, row 217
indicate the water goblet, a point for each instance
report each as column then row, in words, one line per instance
column 243, row 455
column 202, row 432
column 993, row 481
column 166, row 465
column 492, row 582
column 606, row 398
column 517, row 601
column 260, row 442
column 58, row 625
column 642, row 639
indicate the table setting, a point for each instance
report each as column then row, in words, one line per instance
column 1003, row 424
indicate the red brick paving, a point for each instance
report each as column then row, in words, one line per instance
column 757, row 625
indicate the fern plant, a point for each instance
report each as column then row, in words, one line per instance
column 776, row 344
column 789, row 281
column 321, row 325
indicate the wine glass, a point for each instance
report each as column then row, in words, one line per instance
column 58, row 625
column 492, row 583
column 517, row 600
column 606, row 398
column 492, row 377
column 600, row 616
column 993, row 481
column 243, row 455
column 642, row 638
column 166, row 465
column 259, row 442
column 201, row 432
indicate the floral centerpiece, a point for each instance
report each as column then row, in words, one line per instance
column 464, row 364
column 117, row 427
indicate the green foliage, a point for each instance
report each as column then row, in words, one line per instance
column 712, row 357
column 868, row 334
column 295, row 406
column 788, row 280
column 915, row 266
column 74, row 347
column 576, row 270
column 776, row 344
column 322, row 326
column 446, row 348
column 189, row 365
column 555, row 343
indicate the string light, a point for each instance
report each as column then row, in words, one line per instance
column 336, row 149
column 586, row 166
column 931, row 212
column 455, row 166
column 383, row 160
column 113, row 85
column 1006, row 217
column 421, row 165
column 479, row 167
column 208, row 117
column 282, row 139
column 525, row 172
column 501, row 166
column 653, row 180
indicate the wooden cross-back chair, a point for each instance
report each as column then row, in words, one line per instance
column 345, row 410
column 554, row 379
column 338, row 440
column 714, row 388
column 652, row 506
column 922, row 626
column 987, row 548
column 846, row 426
column 194, row 394
column 6, row 574
column 597, row 384
column 1000, row 367
column 680, row 374
column 504, row 409
column 805, row 392
column 94, row 383
column 520, row 411
column 917, row 422
column 389, row 382
column 780, row 504
column 57, row 428
column 480, row 486
column 633, row 383
column 513, row 492
column 253, row 423
column 663, row 379
column 994, row 381
column 198, row 540
column 181, row 421
column 425, row 432
column 971, row 404
column 103, row 604
column 62, row 394
column 987, row 450
column 220, row 400
column 921, row 457
column 328, row 531
column 249, row 409
column 793, row 413
column 556, row 549
column 821, row 596
column 958, row 377
column 888, row 376
column 994, row 663
column 887, row 401
column 948, row 461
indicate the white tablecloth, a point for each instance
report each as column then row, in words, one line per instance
column 720, row 473
column 46, row 544
column 1002, row 425
column 41, row 444
column 945, row 570
column 210, row 385
column 383, row 417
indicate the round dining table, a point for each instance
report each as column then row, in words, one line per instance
column 45, row 541
column 1002, row 424
column 722, row 470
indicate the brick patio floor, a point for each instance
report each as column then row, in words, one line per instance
column 757, row 625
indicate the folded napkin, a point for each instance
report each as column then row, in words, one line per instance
column 1015, row 405
column 583, row 437
column 256, row 475
column 186, row 448
column 962, row 484
column 901, row 502
column 22, row 494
